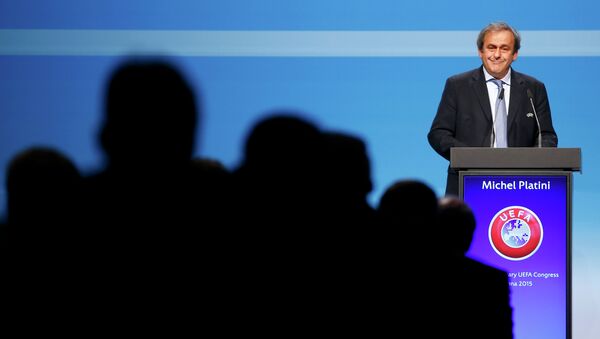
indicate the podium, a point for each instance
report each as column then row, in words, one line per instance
column 522, row 201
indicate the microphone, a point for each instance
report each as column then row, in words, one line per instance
column 539, row 137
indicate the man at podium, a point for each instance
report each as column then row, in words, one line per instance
column 493, row 105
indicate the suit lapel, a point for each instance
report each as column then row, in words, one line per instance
column 480, row 89
column 517, row 90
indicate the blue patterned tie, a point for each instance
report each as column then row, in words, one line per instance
column 500, row 120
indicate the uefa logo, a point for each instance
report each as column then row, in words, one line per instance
column 515, row 233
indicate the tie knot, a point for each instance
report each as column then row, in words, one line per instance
column 498, row 83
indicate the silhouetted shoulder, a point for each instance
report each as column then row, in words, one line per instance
column 486, row 271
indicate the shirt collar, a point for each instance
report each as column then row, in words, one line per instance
column 489, row 77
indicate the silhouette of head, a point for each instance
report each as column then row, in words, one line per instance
column 409, row 203
column 349, row 166
column 150, row 116
column 456, row 224
column 284, row 148
column 40, row 182
column 283, row 145
column 281, row 169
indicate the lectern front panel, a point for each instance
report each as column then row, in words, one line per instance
column 523, row 227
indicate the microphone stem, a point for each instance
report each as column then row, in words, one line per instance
column 537, row 121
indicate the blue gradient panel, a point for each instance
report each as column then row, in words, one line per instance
column 296, row 14
column 539, row 283
column 389, row 101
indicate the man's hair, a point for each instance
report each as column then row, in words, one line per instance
column 497, row 27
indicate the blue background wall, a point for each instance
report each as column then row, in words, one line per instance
column 51, row 81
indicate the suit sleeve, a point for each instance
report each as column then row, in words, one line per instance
column 549, row 137
column 442, row 134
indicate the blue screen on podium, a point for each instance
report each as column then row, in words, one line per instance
column 523, row 228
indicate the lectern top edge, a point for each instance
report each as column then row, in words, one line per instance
column 465, row 158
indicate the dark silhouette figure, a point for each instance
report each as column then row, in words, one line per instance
column 42, row 186
column 145, row 197
column 144, row 210
column 151, row 117
column 348, row 175
column 281, row 176
column 409, row 204
column 348, row 224
column 406, row 213
column 289, row 255
column 405, row 256
column 278, row 191
column 476, row 296
column 41, row 234
column 447, row 294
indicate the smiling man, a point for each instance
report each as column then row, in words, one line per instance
column 490, row 106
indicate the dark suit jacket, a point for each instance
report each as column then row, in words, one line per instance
column 464, row 116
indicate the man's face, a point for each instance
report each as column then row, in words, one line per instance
column 498, row 52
